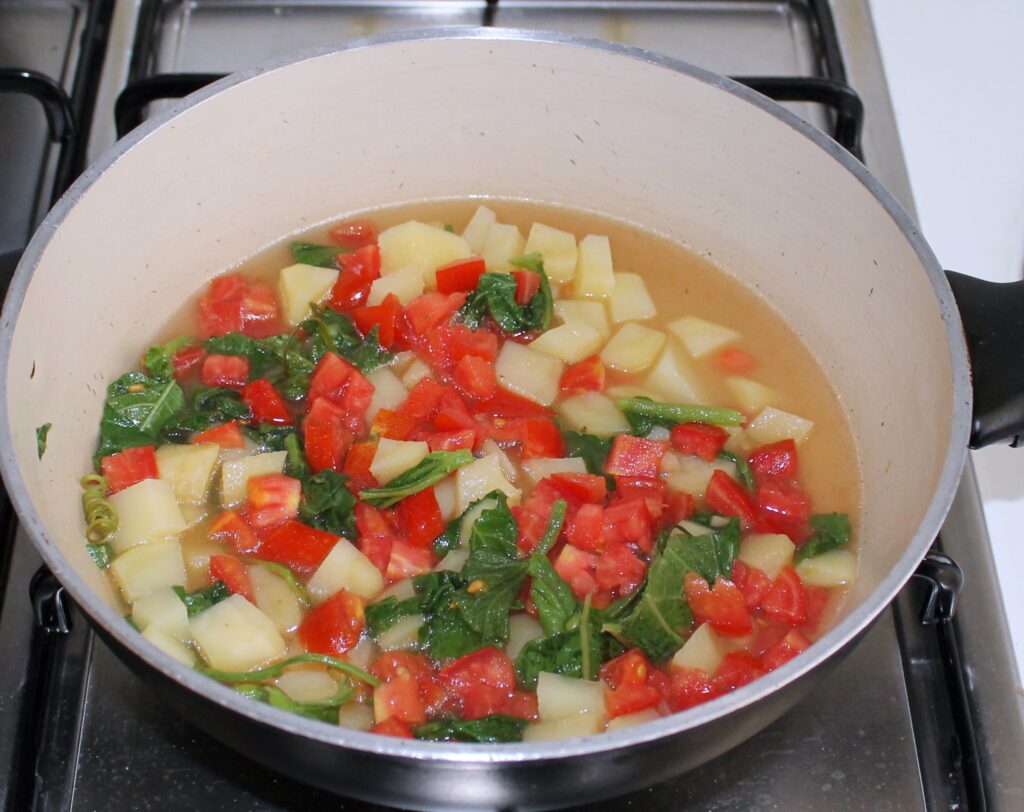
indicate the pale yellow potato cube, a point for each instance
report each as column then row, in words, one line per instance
column 503, row 242
column 363, row 653
column 479, row 478
column 522, row 628
column 633, row 348
column 170, row 645
column 558, row 249
column 690, row 475
column 146, row 511
column 701, row 337
column 196, row 550
column 593, row 413
column 475, row 233
column 416, row 372
column 490, row 448
column 587, row 310
column 345, row 567
column 772, row 425
column 632, row 720
column 405, row 283
column 569, row 727
column 275, row 598
column 454, row 561
column 834, row 568
column 403, row 636
column 193, row 514
column 233, row 635
column 388, row 392
column 417, row 245
column 188, row 469
column 769, row 552
column 572, row 341
column 307, row 685
column 356, row 716
column 164, row 609
column 394, row 457
column 400, row 591
column 538, row 468
column 675, row 379
column 628, row 390
column 629, row 300
column 594, row 275
column 145, row 568
column 533, row 375
column 447, row 501
column 703, row 650
column 300, row 285
column 235, row 475
column 559, row 696
column 752, row 396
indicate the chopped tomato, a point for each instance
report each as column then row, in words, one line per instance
column 231, row 571
column 259, row 311
column 226, row 435
column 423, row 400
column 784, row 651
column 702, row 439
column 735, row 361
column 476, row 377
column 297, row 546
column 232, row 528
column 619, row 570
column 737, row 669
column 358, row 272
column 481, row 343
column 818, row 598
column 400, row 699
column 726, row 496
column 422, row 517
column 774, row 460
column 632, row 690
column 629, row 520
column 432, row 310
column 408, row 560
column 653, row 491
column 722, row 605
column 532, row 526
column 680, row 506
column 461, row 275
column 540, row 438
column 589, row 488
column 272, row 499
column 392, row 727
column 334, row 626
column 326, row 437
column 186, row 360
column 786, row 600
column 751, row 582
column 357, row 465
column 392, row 425
column 782, row 507
column 527, row 285
column 485, row 684
column 378, row 550
column 576, row 567
column 400, row 664
column 265, row 404
column 342, row 384
column 505, row 404
column 381, row 316
column 584, row 528
column 370, row 521
column 126, row 468
column 635, row 456
column 451, row 440
column 233, row 305
column 353, row 234
column 690, row 687
column 586, row 376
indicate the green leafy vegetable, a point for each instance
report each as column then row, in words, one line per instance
column 202, row 599
column 444, row 632
column 711, row 554
column 644, row 414
column 383, row 615
column 449, row 539
column 591, row 449
column 270, row 437
column 325, row 710
column 296, row 586
column 449, row 228
column 830, row 532
column 101, row 554
column 328, row 505
column 495, row 295
column 550, row 594
column 484, row 730
column 541, row 305
column 276, row 669
column 331, row 331
column 136, row 410
column 211, row 405
column 41, row 433
column 431, row 470
column 742, row 467
column 263, row 354
column 159, row 359
column 322, row 256
column 295, row 464
column 555, row 521
column 578, row 652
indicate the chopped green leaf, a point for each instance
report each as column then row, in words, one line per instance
column 201, row 599
column 495, row 295
column 555, row 521
column 325, row 710
column 444, row 632
column 159, row 359
column 551, row 595
column 136, row 410
column 41, row 433
column 591, row 449
column 211, row 405
column 541, row 305
column 331, row 331
column 449, row 228
column 383, row 615
column 431, row 470
column 484, row 730
column 327, row 504
column 100, row 554
column 295, row 464
column 263, row 354
column 270, row 437
column 276, row 669
column 296, row 586
column 742, row 467
column 644, row 414
column 578, row 652
column 449, row 539
column 830, row 532
column 711, row 554
column 322, row 256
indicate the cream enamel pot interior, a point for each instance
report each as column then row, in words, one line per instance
column 487, row 112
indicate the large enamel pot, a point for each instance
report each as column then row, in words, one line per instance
column 680, row 151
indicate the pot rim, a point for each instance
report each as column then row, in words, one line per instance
column 477, row 755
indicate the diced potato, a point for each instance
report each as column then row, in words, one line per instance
column 834, row 568
column 739, row 442
column 702, row 337
column 405, row 283
column 628, row 390
column 772, row 425
column 572, row 341
column 146, row 511
column 401, row 362
column 558, row 249
column 594, row 275
column 300, row 285
column 675, row 379
column 356, row 716
column 503, row 242
column 164, row 609
column 193, row 514
column 537, row 468
column 146, row 568
column 417, row 245
column 559, row 696
column 235, row 475
column 571, row 727
column 170, row 645
column 275, row 598
column 233, row 635
column 488, row 448
column 752, row 396
column 476, row 229
column 345, row 568
column 633, row 348
column 632, row 720
column 307, row 684
column 454, row 561
column 521, row 630
column 388, row 392
column 189, row 469
column 403, row 636
column 447, row 501
column 769, row 552
column 363, row 653
column 528, row 373
column 703, row 650
column 694, row 529
column 591, row 312
column 593, row 413
column 394, row 457
column 400, row 591
column 417, row 371
column 630, row 300
column 196, row 549
column 692, row 474
column 479, row 478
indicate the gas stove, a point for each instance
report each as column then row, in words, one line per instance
column 922, row 715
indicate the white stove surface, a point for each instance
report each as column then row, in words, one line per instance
column 954, row 71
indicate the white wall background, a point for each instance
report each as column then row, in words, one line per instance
column 956, row 75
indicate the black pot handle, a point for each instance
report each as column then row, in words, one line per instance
column 993, row 318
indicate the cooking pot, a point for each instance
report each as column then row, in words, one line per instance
column 460, row 113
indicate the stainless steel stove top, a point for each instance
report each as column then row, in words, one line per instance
column 887, row 730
